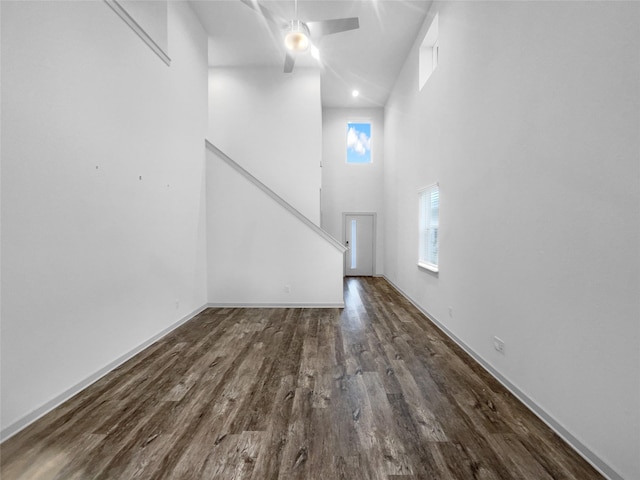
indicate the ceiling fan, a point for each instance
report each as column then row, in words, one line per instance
column 298, row 34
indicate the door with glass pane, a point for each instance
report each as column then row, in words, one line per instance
column 359, row 230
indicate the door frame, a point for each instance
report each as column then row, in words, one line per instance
column 344, row 240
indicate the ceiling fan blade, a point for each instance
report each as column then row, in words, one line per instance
column 289, row 62
column 327, row 27
column 266, row 13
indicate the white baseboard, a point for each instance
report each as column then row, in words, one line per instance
column 274, row 305
column 578, row 446
column 551, row 422
column 39, row 412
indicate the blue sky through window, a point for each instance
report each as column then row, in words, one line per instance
column 358, row 142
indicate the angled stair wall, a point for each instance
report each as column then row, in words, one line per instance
column 261, row 250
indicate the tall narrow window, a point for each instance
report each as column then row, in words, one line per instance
column 354, row 254
column 429, row 222
column 358, row 142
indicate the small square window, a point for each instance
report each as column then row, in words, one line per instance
column 358, row 142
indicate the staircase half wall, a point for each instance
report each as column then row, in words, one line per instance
column 261, row 251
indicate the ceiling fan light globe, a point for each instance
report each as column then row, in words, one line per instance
column 296, row 41
column 297, row 38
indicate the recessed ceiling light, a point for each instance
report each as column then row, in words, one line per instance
column 315, row 53
column 355, row 93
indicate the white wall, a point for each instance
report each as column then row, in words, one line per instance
column 351, row 187
column 271, row 124
column 93, row 258
column 256, row 248
column 531, row 125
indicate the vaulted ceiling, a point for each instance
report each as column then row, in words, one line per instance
column 368, row 59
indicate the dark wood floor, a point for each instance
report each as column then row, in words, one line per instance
column 373, row 391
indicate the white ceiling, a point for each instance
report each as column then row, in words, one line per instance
column 368, row 59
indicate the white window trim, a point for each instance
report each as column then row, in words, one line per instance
column 427, row 265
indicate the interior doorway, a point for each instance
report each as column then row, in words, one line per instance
column 359, row 238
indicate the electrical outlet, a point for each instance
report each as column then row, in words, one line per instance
column 498, row 345
column 451, row 312
column 177, row 303
column 287, row 289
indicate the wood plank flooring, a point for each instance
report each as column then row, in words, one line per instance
column 373, row 391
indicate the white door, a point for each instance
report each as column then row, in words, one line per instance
column 359, row 235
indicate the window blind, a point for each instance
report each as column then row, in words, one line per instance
column 429, row 221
